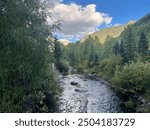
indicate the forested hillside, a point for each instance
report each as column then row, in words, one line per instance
column 28, row 82
column 123, row 61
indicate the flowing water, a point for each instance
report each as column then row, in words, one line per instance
column 88, row 96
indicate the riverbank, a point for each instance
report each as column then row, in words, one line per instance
column 137, row 104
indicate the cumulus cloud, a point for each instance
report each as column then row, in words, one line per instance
column 78, row 21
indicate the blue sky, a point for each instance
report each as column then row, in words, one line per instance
column 121, row 11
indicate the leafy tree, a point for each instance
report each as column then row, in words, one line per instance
column 60, row 62
column 27, row 80
column 108, row 66
column 132, row 80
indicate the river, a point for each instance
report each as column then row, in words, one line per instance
column 88, row 96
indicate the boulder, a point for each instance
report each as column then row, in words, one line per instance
column 74, row 83
column 102, row 82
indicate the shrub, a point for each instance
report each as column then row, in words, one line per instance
column 130, row 105
column 133, row 79
column 62, row 66
column 108, row 66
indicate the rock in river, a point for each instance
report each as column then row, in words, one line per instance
column 74, row 83
column 81, row 90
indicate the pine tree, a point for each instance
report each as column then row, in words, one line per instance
column 121, row 49
column 116, row 48
column 143, row 44
column 57, row 50
column 129, row 45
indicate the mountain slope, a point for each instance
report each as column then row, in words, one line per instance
column 113, row 32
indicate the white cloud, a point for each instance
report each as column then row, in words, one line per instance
column 78, row 21
column 118, row 24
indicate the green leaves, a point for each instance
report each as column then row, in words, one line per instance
column 134, row 78
column 25, row 58
column 129, row 45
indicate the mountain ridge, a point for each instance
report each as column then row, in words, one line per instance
column 113, row 32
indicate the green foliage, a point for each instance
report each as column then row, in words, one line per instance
column 131, row 82
column 129, row 45
column 57, row 50
column 108, row 66
column 143, row 44
column 118, row 59
column 121, row 49
column 63, row 66
column 86, row 54
column 133, row 79
column 44, row 98
column 143, row 52
column 130, row 105
column 25, row 59
column 116, row 48
column 143, row 20
column 60, row 62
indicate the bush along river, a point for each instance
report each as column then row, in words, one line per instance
column 85, row 95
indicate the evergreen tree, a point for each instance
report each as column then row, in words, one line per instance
column 121, row 49
column 143, row 44
column 95, row 59
column 57, row 50
column 116, row 48
column 129, row 45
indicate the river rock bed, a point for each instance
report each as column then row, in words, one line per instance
column 87, row 96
